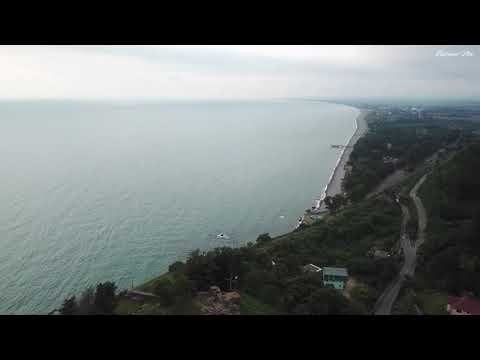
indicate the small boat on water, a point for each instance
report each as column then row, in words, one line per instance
column 222, row 236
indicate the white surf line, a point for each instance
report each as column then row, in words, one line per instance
column 339, row 160
column 319, row 202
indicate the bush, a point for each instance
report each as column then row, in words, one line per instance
column 325, row 302
column 176, row 267
column 69, row 306
column 263, row 238
column 105, row 298
column 166, row 292
column 183, row 288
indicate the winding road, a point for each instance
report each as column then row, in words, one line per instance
column 387, row 299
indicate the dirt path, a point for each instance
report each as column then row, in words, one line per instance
column 391, row 180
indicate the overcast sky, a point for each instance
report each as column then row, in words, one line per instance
column 238, row 72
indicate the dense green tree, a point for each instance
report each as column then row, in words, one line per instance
column 254, row 280
column 105, row 298
column 370, row 156
column 263, row 238
column 183, row 287
column 335, row 203
column 176, row 266
column 86, row 303
column 448, row 261
column 166, row 292
column 69, row 306
column 363, row 295
column 325, row 301
column 329, row 204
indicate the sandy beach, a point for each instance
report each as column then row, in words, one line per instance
column 334, row 185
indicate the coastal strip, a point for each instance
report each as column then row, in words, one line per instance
column 334, row 184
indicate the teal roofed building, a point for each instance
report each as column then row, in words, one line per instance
column 335, row 277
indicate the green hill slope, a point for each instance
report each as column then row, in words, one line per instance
column 449, row 260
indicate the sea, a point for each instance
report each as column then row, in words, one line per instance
column 117, row 191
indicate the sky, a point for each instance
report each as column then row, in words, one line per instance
column 237, row 72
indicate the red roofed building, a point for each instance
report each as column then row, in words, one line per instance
column 463, row 306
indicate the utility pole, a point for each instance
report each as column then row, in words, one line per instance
column 231, row 279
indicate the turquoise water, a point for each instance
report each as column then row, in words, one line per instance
column 92, row 192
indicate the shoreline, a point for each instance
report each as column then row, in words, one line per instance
column 335, row 181
column 334, row 184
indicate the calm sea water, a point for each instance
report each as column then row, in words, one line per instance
column 95, row 192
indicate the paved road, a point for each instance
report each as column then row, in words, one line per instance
column 421, row 213
column 419, row 312
column 387, row 299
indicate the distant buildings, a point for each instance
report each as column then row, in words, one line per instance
column 332, row 277
column 416, row 112
column 335, row 277
column 463, row 306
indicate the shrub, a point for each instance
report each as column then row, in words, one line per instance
column 263, row 238
column 176, row 267
column 166, row 292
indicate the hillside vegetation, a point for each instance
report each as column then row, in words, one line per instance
column 269, row 273
column 392, row 145
column 450, row 259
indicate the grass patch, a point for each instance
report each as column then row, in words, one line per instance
column 187, row 307
column 405, row 305
column 251, row 306
column 150, row 285
column 432, row 302
column 152, row 308
column 127, row 306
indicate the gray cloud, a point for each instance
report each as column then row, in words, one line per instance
column 138, row 72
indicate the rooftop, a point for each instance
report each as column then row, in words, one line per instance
column 335, row 271
column 466, row 304
column 312, row 268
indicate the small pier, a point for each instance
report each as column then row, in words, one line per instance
column 334, row 146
